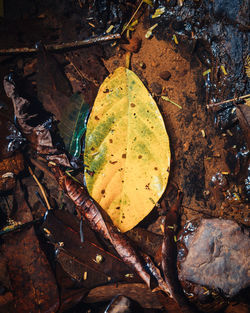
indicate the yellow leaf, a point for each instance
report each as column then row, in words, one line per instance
column 127, row 149
column 149, row 2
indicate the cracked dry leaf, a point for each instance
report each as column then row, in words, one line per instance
column 126, row 150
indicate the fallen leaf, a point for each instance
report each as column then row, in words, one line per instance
column 127, row 149
column 135, row 291
column 35, row 123
column 32, row 280
column 73, row 124
column 100, row 222
column 78, row 258
column 11, row 161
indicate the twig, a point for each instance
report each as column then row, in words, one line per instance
column 138, row 8
column 211, row 105
column 42, row 168
column 41, row 188
column 66, row 45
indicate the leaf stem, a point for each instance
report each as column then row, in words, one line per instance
column 169, row 100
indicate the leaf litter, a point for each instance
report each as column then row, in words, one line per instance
column 148, row 74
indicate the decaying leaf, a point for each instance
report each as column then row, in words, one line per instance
column 100, row 222
column 34, row 122
column 32, row 280
column 136, row 291
column 127, row 149
column 11, row 161
column 86, row 262
column 73, row 124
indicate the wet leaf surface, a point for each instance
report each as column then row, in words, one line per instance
column 73, row 124
column 32, row 280
column 87, row 262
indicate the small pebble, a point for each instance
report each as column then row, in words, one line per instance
column 165, row 75
column 156, row 88
column 142, row 65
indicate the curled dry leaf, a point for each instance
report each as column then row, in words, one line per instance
column 127, row 149
column 35, row 123
column 169, row 259
column 11, row 161
column 100, row 222
column 32, row 280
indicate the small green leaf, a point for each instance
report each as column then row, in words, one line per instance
column 73, row 124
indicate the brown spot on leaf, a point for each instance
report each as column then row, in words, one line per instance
column 106, row 90
column 139, row 156
column 124, row 156
column 103, row 191
column 156, row 168
column 91, row 173
column 110, row 140
column 92, row 149
column 117, row 208
column 96, row 118
column 132, row 105
column 113, row 162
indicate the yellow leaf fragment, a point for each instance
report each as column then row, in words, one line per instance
column 131, row 167
column 149, row 2
column 158, row 12
column 150, row 31
column 175, row 39
column 206, row 72
column 223, row 69
column 110, row 28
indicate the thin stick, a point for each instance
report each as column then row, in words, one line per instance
column 211, row 105
column 132, row 17
column 66, row 45
column 42, row 168
column 41, row 187
column 171, row 101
